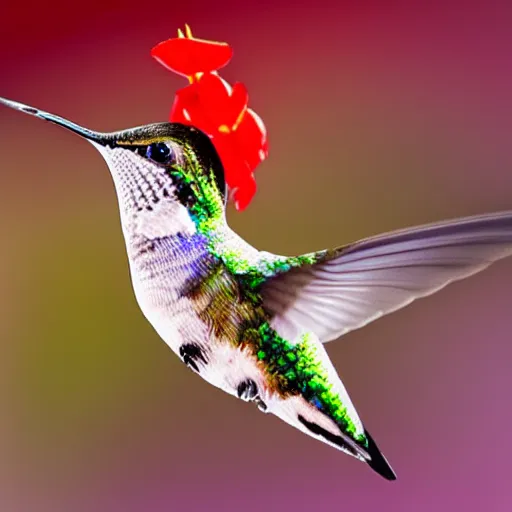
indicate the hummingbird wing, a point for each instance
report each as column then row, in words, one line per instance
column 353, row 285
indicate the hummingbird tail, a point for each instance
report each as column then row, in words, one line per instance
column 318, row 425
column 377, row 461
column 371, row 455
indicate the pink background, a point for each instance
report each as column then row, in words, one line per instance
column 379, row 118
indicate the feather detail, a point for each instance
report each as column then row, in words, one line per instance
column 356, row 284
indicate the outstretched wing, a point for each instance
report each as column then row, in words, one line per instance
column 358, row 283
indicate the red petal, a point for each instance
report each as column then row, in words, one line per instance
column 231, row 161
column 244, row 194
column 237, row 104
column 239, row 177
column 261, row 127
column 251, row 137
column 188, row 109
column 190, row 56
column 183, row 99
column 224, row 104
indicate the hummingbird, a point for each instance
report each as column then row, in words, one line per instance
column 252, row 323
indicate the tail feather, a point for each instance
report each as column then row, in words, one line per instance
column 377, row 461
column 302, row 415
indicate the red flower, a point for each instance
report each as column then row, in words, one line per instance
column 210, row 104
column 187, row 55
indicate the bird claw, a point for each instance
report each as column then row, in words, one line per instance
column 262, row 406
column 190, row 353
column 247, row 390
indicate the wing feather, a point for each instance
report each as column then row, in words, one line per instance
column 356, row 284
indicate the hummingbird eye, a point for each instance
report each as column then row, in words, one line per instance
column 161, row 153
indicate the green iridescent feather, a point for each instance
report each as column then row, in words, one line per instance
column 297, row 368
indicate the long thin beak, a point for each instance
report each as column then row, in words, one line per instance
column 98, row 137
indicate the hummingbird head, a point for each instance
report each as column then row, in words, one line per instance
column 164, row 173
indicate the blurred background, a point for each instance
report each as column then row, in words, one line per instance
column 379, row 118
